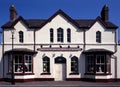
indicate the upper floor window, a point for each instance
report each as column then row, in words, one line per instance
column 74, row 64
column 68, row 35
column 21, row 36
column 46, row 64
column 98, row 36
column 60, row 35
column 51, row 35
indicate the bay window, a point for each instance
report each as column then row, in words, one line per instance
column 22, row 63
column 98, row 63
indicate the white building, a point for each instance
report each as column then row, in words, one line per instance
column 60, row 48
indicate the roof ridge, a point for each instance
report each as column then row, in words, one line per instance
column 35, row 19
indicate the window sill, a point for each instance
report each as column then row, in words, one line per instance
column 21, row 73
column 98, row 73
column 74, row 74
column 45, row 73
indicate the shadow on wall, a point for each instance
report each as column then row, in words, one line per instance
column 115, row 65
column 82, row 65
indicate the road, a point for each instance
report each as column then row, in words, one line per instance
column 61, row 84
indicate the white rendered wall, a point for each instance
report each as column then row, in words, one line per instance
column 118, row 61
column 1, row 63
column 38, row 63
column 107, row 35
column 43, row 37
column 43, row 34
column 20, row 26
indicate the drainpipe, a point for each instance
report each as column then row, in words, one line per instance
column 84, row 40
column 115, row 42
column 115, row 57
column 34, row 40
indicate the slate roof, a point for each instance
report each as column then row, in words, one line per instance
column 97, row 51
column 39, row 23
column 21, row 50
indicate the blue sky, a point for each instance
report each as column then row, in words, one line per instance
column 76, row 9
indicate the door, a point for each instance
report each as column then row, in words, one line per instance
column 60, row 72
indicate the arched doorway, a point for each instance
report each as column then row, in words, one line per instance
column 60, row 68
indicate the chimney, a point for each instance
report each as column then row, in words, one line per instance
column 13, row 13
column 105, row 13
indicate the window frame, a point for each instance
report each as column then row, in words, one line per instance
column 100, row 61
column 60, row 35
column 68, row 35
column 98, row 37
column 20, row 70
column 46, row 64
column 51, row 35
column 74, row 64
column 90, row 64
column 29, row 63
column 21, row 36
column 106, row 64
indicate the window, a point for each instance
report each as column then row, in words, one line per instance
column 51, row 35
column 22, row 63
column 74, row 64
column 60, row 35
column 98, row 63
column 18, row 64
column 98, row 36
column 28, row 63
column 90, row 63
column 21, row 36
column 46, row 65
column 68, row 35
column 108, row 69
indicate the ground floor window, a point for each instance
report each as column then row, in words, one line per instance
column 22, row 63
column 98, row 63
column 74, row 64
column 46, row 64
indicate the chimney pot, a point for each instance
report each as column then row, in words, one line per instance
column 13, row 13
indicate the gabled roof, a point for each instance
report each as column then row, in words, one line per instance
column 11, row 24
column 106, row 24
column 39, row 23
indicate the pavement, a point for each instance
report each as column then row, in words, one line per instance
column 61, row 84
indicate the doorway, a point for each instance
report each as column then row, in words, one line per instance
column 60, row 69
